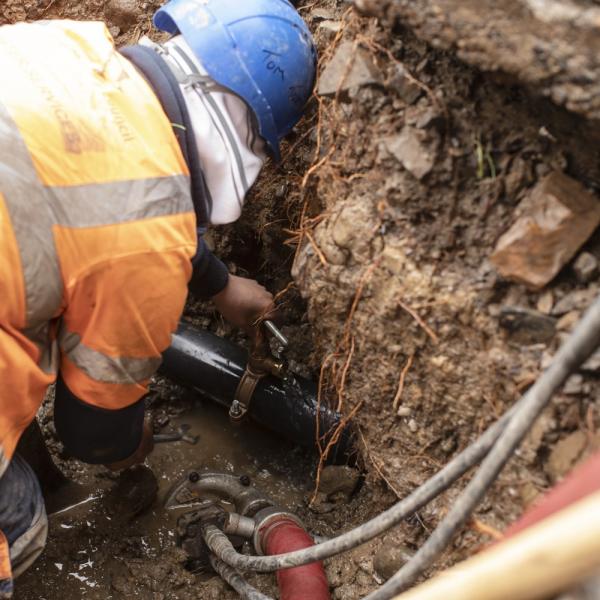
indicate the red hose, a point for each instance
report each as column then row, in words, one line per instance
column 583, row 481
column 308, row 582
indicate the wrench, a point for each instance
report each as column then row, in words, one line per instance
column 180, row 435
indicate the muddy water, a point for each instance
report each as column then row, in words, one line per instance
column 94, row 552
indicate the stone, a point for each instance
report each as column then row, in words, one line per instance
column 424, row 116
column 123, row 13
column 592, row 364
column 585, row 267
column 576, row 300
column 329, row 28
column 404, row 85
column 412, row 151
column 517, row 178
column 350, row 67
column 449, row 445
column 529, row 493
column 390, row 558
column 526, row 326
column 546, row 360
column 545, row 302
column 568, row 321
column 370, row 8
column 412, row 425
column 322, row 14
column 557, row 218
column 531, row 445
column 337, row 479
column 564, row 455
column 573, row 385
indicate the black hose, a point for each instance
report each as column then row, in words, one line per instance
column 214, row 366
column 578, row 348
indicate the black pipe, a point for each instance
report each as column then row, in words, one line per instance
column 214, row 366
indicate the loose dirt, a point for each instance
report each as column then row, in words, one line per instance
column 379, row 226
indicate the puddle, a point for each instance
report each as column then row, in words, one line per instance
column 273, row 464
column 88, row 550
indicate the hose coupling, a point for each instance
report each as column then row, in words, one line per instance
column 239, row 525
column 265, row 521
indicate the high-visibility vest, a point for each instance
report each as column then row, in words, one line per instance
column 97, row 226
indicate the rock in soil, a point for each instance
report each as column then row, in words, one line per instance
column 404, row 85
column 123, row 13
column 558, row 217
column 412, row 150
column 329, row 28
column 526, row 326
column 574, row 385
column 567, row 322
column 350, row 67
column 390, row 558
column 575, row 300
column 338, row 479
column 322, row 14
column 593, row 363
column 565, row 454
column 585, row 267
column 545, row 302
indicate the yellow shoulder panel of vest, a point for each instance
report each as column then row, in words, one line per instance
column 85, row 113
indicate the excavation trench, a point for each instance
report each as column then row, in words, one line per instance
column 392, row 196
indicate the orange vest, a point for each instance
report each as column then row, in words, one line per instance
column 97, row 226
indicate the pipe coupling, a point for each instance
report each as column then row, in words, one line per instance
column 239, row 525
column 266, row 520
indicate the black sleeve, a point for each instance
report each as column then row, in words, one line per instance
column 96, row 435
column 210, row 275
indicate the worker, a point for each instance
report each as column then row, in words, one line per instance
column 112, row 165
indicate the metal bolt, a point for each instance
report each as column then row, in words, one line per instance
column 245, row 480
column 194, row 477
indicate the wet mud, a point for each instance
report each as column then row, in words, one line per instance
column 102, row 547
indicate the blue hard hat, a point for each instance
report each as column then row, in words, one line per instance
column 261, row 50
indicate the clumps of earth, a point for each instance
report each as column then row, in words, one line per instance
column 433, row 236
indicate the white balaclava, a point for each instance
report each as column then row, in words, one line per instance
column 231, row 153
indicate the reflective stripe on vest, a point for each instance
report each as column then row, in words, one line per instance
column 121, row 370
column 3, row 462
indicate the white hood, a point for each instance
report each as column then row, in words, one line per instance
column 231, row 152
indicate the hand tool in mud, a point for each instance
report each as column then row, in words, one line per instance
column 262, row 361
column 181, row 435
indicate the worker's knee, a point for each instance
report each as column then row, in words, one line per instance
column 23, row 521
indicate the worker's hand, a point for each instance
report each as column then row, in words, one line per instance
column 146, row 446
column 243, row 302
